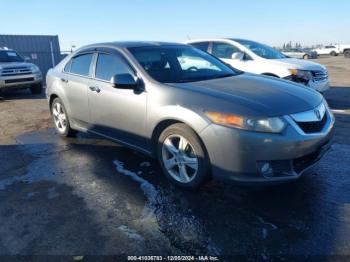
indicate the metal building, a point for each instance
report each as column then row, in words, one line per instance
column 42, row 50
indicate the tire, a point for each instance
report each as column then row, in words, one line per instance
column 333, row 53
column 183, row 157
column 36, row 89
column 306, row 57
column 347, row 54
column 61, row 119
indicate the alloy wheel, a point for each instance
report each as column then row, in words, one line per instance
column 179, row 158
column 59, row 117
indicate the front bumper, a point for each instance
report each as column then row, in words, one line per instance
column 237, row 155
column 19, row 81
column 319, row 86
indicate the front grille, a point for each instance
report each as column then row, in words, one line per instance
column 314, row 126
column 319, row 76
column 13, row 71
column 19, row 80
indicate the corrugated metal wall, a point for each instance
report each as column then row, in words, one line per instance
column 42, row 50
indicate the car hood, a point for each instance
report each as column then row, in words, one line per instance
column 294, row 63
column 14, row 64
column 253, row 95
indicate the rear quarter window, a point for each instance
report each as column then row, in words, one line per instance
column 80, row 65
column 67, row 66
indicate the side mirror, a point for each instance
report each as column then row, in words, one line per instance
column 26, row 58
column 238, row 56
column 123, row 81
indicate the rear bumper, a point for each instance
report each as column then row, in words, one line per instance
column 21, row 81
column 238, row 156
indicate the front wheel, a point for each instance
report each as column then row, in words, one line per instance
column 347, row 54
column 183, row 157
column 306, row 57
column 333, row 53
column 60, row 118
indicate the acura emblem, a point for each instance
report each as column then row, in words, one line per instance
column 318, row 114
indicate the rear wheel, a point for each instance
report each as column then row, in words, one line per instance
column 36, row 89
column 333, row 53
column 60, row 118
column 347, row 54
column 182, row 157
column 306, row 57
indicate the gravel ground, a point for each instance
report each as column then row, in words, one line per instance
column 89, row 196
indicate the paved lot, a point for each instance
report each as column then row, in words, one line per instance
column 89, row 196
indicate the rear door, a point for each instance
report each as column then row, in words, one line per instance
column 296, row 53
column 75, row 79
column 116, row 113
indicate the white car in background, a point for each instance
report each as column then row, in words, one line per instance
column 344, row 49
column 299, row 53
column 253, row 57
column 327, row 50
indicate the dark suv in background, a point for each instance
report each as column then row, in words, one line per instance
column 16, row 73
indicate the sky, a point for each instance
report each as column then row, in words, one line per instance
column 273, row 22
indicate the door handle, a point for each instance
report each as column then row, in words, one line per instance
column 64, row 80
column 95, row 89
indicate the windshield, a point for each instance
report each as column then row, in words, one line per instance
column 261, row 50
column 178, row 64
column 9, row 56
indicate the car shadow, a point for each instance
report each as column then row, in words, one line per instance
column 19, row 94
column 338, row 97
column 123, row 187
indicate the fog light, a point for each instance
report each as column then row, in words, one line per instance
column 266, row 169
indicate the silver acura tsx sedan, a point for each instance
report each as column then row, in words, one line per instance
column 201, row 118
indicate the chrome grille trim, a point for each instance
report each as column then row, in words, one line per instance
column 327, row 117
column 319, row 76
column 311, row 115
column 13, row 71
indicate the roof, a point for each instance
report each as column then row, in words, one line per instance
column 215, row 39
column 129, row 44
column 238, row 39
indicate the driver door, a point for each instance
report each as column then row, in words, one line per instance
column 229, row 54
column 116, row 113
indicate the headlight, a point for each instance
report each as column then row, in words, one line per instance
column 301, row 74
column 268, row 125
column 34, row 69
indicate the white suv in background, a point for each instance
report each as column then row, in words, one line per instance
column 253, row 57
column 327, row 50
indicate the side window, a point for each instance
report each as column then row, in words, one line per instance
column 67, row 66
column 110, row 65
column 223, row 50
column 202, row 46
column 80, row 65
